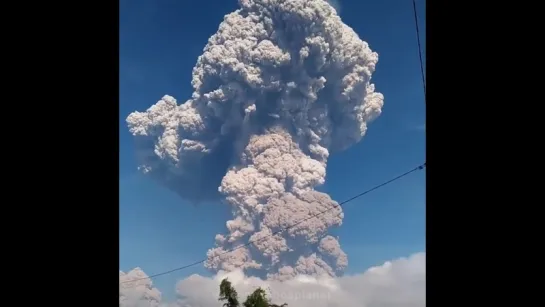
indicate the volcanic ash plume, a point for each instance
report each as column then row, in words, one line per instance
column 281, row 85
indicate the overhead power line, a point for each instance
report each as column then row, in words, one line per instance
column 419, row 49
column 420, row 167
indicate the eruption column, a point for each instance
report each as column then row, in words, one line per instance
column 280, row 86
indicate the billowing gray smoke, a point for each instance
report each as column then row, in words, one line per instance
column 281, row 85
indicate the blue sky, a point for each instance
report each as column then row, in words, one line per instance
column 160, row 41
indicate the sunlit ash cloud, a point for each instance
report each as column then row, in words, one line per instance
column 279, row 87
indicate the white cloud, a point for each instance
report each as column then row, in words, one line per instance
column 137, row 293
column 400, row 282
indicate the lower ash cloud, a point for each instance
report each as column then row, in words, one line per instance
column 399, row 283
column 279, row 87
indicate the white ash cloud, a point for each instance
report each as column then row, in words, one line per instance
column 136, row 290
column 397, row 283
column 280, row 86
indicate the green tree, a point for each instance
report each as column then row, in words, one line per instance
column 257, row 299
column 229, row 294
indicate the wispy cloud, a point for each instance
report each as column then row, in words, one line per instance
column 132, row 72
column 415, row 127
column 420, row 127
column 336, row 4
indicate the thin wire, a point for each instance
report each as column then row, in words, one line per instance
column 419, row 49
column 421, row 166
